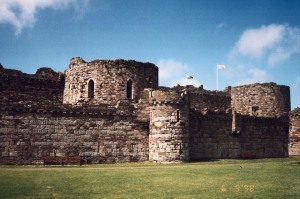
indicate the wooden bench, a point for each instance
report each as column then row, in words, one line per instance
column 61, row 160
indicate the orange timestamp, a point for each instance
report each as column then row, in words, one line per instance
column 239, row 188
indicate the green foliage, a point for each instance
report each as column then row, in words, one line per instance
column 261, row 178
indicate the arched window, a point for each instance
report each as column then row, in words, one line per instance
column 129, row 89
column 91, row 89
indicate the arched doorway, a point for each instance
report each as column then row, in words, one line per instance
column 129, row 89
column 91, row 89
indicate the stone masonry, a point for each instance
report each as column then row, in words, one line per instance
column 294, row 139
column 107, row 111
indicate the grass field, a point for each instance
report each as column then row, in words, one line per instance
column 262, row 178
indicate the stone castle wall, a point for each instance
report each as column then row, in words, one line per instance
column 265, row 137
column 127, row 117
column 210, row 101
column 211, row 137
column 202, row 122
column 46, row 86
column 263, row 100
column 294, row 138
column 106, row 81
column 28, row 136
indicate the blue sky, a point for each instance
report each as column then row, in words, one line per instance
column 257, row 41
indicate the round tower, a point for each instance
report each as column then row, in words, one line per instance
column 107, row 81
column 261, row 100
column 169, row 124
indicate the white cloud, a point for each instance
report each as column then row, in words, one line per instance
column 274, row 43
column 254, row 75
column 296, row 83
column 172, row 73
column 184, row 81
column 289, row 46
column 169, row 68
column 21, row 13
column 254, row 42
column 220, row 25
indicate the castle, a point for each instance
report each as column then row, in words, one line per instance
column 108, row 111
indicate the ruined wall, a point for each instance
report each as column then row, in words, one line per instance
column 211, row 136
column 294, row 139
column 164, row 94
column 196, row 98
column 210, row 101
column 142, row 108
column 263, row 100
column 264, row 137
column 106, row 81
column 27, row 136
column 46, row 86
column 126, row 117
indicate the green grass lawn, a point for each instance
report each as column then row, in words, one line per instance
column 262, row 178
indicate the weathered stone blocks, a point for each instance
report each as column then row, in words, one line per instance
column 294, row 134
column 113, row 111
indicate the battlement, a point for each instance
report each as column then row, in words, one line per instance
column 79, row 62
column 64, row 110
column 295, row 112
column 45, row 85
column 166, row 95
column 42, row 74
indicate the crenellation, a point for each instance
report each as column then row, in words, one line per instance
column 109, row 111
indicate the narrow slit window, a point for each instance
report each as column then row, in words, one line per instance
column 91, row 94
column 178, row 115
column 129, row 89
column 255, row 110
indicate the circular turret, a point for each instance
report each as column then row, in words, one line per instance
column 169, row 127
column 169, row 133
column 261, row 100
column 107, row 81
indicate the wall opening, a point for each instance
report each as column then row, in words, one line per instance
column 254, row 110
column 91, row 94
column 177, row 115
column 129, row 89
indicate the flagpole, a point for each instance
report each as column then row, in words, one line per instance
column 219, row 67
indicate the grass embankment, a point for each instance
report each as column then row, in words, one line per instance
column 264, row 178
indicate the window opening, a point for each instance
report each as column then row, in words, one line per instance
column 129, row 89
column 91, row 89
column 150, row 79
column 255, row 110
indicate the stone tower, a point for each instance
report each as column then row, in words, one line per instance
column 169, row 127
column 107, row 81
column 261, row 100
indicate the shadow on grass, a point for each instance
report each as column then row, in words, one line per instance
column 204, row 160
column 294, row 163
